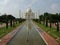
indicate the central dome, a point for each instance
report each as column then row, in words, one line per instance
column 28, row 10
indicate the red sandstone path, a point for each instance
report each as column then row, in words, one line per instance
column 50, row 40
column 9, row 36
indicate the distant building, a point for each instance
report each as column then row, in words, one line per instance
column 29, row 14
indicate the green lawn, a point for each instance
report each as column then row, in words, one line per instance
column 51, row 31
column 4, row 31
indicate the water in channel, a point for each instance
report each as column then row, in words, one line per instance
column 27, row 35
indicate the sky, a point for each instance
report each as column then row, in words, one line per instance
column 37, row 6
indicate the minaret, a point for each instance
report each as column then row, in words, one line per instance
column 19, row 13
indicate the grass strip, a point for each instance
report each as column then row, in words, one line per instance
column 4, row 31
column 51, row 31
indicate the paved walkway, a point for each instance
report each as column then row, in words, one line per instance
column 28, row 35
column 9, row 36
column 50, row 40
column 3, row 25
column 22, row 36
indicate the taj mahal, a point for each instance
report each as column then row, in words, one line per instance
column 29, row 14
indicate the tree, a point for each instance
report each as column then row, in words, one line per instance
column 41, row 18
column 55, row 18
column 5, row 19
column 46, row 18
column 11, row 20
column 1, row 19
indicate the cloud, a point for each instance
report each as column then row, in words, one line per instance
column 4, row 2
column 32, row 3
column 55, row 7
